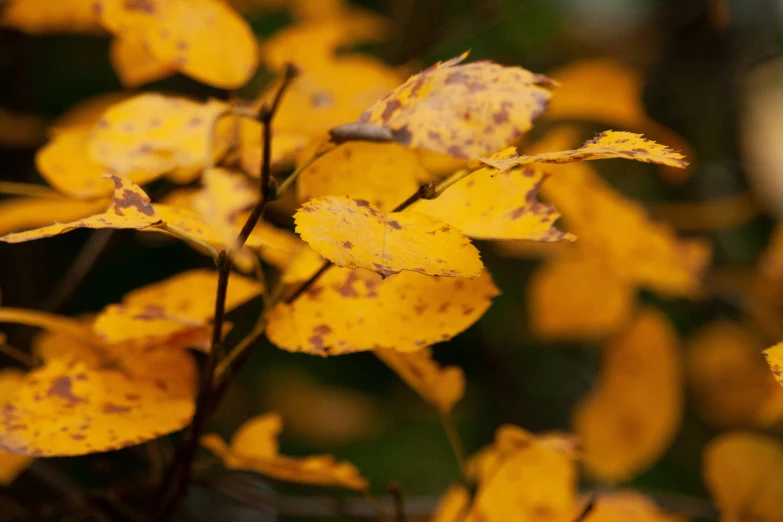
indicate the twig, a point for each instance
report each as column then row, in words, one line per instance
column 15, row 353
column 206, row 247
column 399, row 501
column 589, row 507
column 175, row 484
column 456, row 444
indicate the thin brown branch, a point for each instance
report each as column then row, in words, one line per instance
column 589, row 507
column 176, row 481
column 399, row 501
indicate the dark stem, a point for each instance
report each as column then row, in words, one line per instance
column 304, row 287
column 423, row 192
column 177, row 478
column 399, row 501
column 587, row 509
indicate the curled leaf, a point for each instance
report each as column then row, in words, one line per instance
column 466, row 111
column 353, row 233
column 254, row 447
column 356, row 310
column 130, row 209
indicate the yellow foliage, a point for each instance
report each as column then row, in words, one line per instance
column 254, row 447
column 135, row 65
column 742, row 472
column 356, row 310
column 441, row 386
column 11, row 465
column 173, row 32
column 466, row 111
column 353, row 233
column 50, row 16
column 630, row 418
column 18, row 214
column 628, row 505
column 130, row 209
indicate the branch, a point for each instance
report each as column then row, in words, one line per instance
column 175, row 483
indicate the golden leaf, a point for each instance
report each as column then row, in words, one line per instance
column 606, row 145
column 87, row 113
column 135, row 65
column 11, row 465
column 153, row 133
column 355, row 310
column 385, row 174
column 72, row 407
column 254, row 447
column 184, row 33
column 742, row 472
column 488, row 205
column 172, row 312
column 441, row 386
column 774, row 357
column 353, row 233
column 50, row 16
column 465, row 111
column 630, row 418
column 730, row 384
column 130, row 209
column 573, row 298
column 24, row 213
column 626, row 505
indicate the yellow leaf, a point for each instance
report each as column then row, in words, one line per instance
column 630, row 418
column 204, row 39
column 626, row 505
column 153, row 133
column 774, row 357
column 11, row 465
column 71, row 407
column 176, row 310
column 24, row 213
column 606, row 145
column 524, row 477
column 130, row 209
column 331, row 93
column 135, row 65
column 574, row 298
column 86, row 113
column 742, row 471
column 618, row 234
column 353, row 233
column 730, row 384
column 453, row 505
column 21, row 130
column 441, row 386
column 254, row 447
column 488, row 205
column 385, row 174
column 303, row 264
column 355, row 310
column 64, row 164
column 465, row 111
column 50, row 16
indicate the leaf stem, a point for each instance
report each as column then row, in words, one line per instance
column 175, row 484
column 206, row 247
column 455, row 442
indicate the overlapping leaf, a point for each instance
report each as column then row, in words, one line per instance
column 50, row 16
column 355, row 310
column 254, row 447
column 173, row 312
column 153, row 133
column 135, row 65
column 465, row 111
column 606, row 145
column 130, row 209
column 19, row 214
column 488, row 205
column 630, row 418
column 731, row 385
column 11, row 465
column 626, row 505
column 742, row 472
column 441, row 386
column 173, row 31
column 353, row 233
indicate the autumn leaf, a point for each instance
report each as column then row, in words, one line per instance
column 18, row 214
column 730, row 384
column 50, row 16
column 11, row 465
column 440, row 386
column 606, row 145
column 572, row 298
column 466, row 111
column 74, row 407
column 353, row 233
column 627, row 505
column 175, row 311
column 630, row 418
column 86, row 113
column 158, row 134
column 774, row 357
column 356, row 310
column 173, row 31
column 384, row 174
column 135, row 65
column 254, row 447
column 130, row 209
column 488, row 205
column 742, row 473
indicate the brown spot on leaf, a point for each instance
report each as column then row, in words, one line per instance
column 62, row 387
column 390, row 109
column 394, row 224
column 145, row 6
column 114, row 408
column 348, row 245
column 130, row 199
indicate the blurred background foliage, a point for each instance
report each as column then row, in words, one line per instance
column 707, row 68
